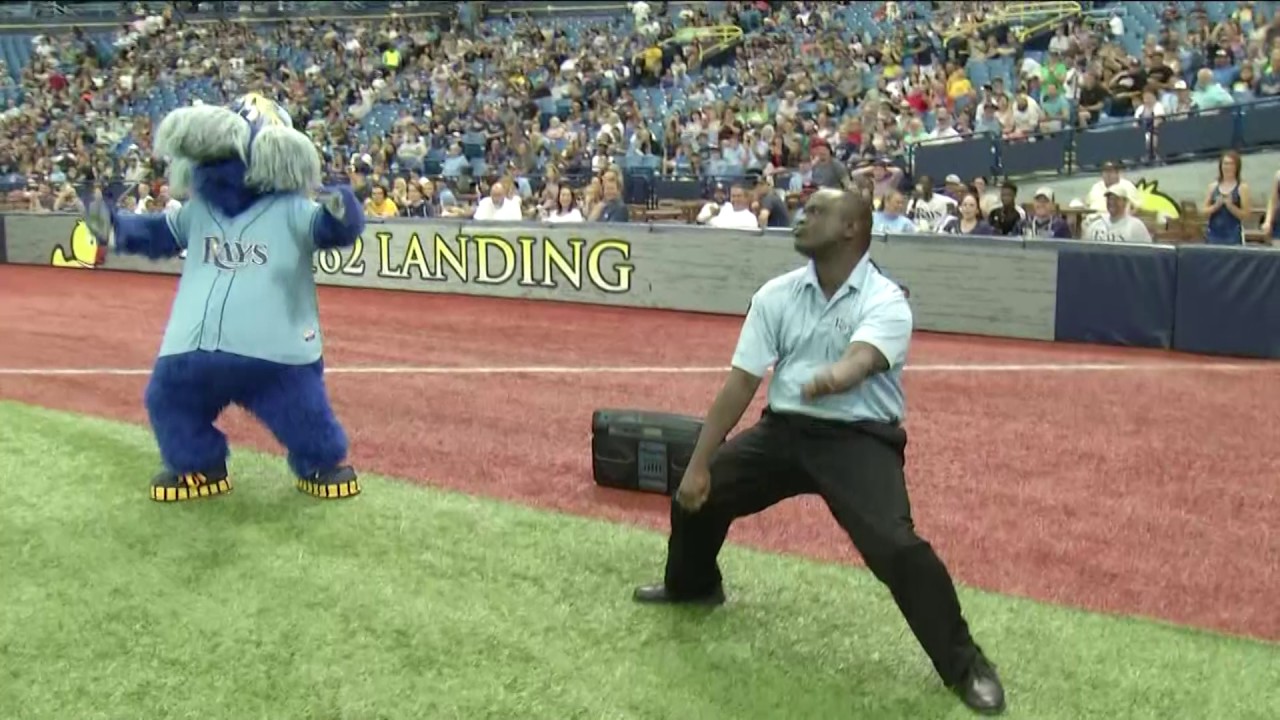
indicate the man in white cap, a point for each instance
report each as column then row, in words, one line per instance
column 954, row 187
column 1096, row 200
column 1044, row 222
column 1118, row 225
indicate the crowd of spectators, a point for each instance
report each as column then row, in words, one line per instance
column 422, row 114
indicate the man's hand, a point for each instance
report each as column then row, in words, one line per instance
column 694, row 488
column 860, row 362
column 822, row 384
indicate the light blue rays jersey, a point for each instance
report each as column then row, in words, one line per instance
column 792, row 326
column 247, row 285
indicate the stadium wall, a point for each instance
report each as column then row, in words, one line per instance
column 1202, row 299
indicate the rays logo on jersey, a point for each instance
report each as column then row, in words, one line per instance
column 929, row 215
column 260, row 111
column 1101, row 232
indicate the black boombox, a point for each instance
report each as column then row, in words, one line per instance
column 640, row 450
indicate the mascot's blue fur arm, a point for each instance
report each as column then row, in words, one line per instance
column 328, row 231
column 148, row 235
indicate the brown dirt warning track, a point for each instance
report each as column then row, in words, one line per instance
column 1148, row 487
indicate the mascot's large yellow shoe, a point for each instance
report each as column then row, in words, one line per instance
column 177, row 487
column 340, row 482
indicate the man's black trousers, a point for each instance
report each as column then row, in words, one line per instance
column 857, row 468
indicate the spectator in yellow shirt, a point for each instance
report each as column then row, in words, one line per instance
column 379, row 205
column 958, row 84
column 652, row 59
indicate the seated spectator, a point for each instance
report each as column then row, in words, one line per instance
column 1055, row 110
column 1223, row 69
column 1026, row 117
column 927, row 209
column 611, row 208
column 1179, row 101
column 736, row 214
column 1044, row 222
column 498, row 205
column 885, row 178
column 988, row 122
column 987, row 201
column 771, row 207
column 1005, row 218
column 455, row 163
column 399, row 192
column 1209, row 93
column 968, row 220
column 1091, row 101
column 711, row 208
column 1118, row 224
column 142, row 196
column 379, row 205
column 566, row 209
column 890, row 219
column 1125, row 89
column 1096, row 200
column 1269, row 79
column 1150, row 111
column 944, row 127
column 826, row 172
column 415, row 203
column 167, row 202
column 441, row 197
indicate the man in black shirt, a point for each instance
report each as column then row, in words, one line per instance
column 771, row 209
column 1126, row 89
column 1093, row 98
column 1006, row 217
column 1159, row 75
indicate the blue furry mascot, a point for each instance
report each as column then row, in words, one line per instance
column 244, row 327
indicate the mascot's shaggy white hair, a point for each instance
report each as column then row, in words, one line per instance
column 277, row 158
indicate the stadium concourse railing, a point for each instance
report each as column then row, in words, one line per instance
column 1195, row 298
column 1246, row 126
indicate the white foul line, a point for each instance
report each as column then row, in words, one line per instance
column 658, row 370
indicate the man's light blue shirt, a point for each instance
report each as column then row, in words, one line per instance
column 247, row 284
column 794, row 328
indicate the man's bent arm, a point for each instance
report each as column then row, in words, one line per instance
column 860, row 361
column 727, row 409
column 878, row 344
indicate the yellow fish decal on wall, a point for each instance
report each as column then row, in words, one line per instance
column 83, row 246
column 1151, row 199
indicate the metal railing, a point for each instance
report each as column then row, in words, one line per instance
column 1176, row 137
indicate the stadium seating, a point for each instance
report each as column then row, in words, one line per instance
column 1246, row 126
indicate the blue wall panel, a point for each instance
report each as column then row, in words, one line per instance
column 1228, row 301
column 1116, row 295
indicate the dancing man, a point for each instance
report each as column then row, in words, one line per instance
column 836, row 333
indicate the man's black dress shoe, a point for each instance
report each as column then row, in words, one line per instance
column 657, row 594
column 980, row 688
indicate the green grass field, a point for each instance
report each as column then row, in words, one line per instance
column 413, row 603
